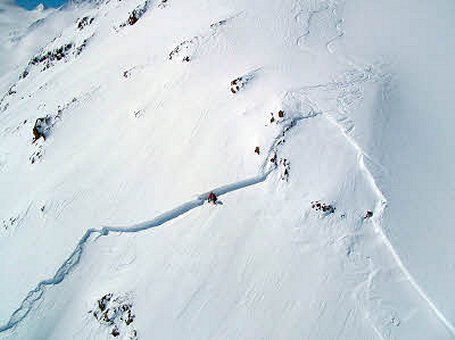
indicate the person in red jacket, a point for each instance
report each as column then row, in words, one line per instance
column 212, row 198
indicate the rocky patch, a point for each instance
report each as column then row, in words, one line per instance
column 43, row 127
column 218, row 24
column 163, row 4
column 37, row 154
column 184, row 51
column 325, row 208
column 240, row 82
column 285, row 166
column 136, row 14
column 83, row 22
column 9, row 223
column 3, row 101
column 279, row 117
column 115, row 313
column 48, row 59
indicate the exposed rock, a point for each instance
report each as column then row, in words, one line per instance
column 83, row 22
column 285, row 167
column 187, row 47
column 11, row 222
column 240, row 82
column 115, row 332
column 368, row 214
column 42, row 127
column 217, row 24
column 116, row 312
column 12, row 90
column 274, row 159
column 37, row 155
column 323, row 207
column 136, row 14
column 163, row 4
column 47, row 59
column 272, row 119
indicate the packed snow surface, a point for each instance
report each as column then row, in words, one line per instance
column 323, row 128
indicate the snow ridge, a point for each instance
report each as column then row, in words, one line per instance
column 376, row 220
column 357, row 78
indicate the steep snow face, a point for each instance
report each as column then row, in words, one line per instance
column 415, row 142
column 144, row 107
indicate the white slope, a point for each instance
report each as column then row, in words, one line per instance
column 138, row 135
column 22, row 33
column 415, row 144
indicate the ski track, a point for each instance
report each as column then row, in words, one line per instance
column 376, row 220
column 72, row 261
column 382, row 201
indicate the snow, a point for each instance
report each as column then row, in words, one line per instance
column 415, row 142
column 145, row 125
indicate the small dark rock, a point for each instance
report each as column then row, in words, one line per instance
column 368, row 214
column 42, row 127
column 115, row 332
column 85, row 21
column 273, row 159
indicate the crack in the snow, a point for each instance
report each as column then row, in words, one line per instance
column 266, row 169
column 72, row 261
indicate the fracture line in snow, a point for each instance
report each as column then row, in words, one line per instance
column 376, row 220
column 72, row 261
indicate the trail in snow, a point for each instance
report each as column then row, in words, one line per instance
column 382, row 202
column 358, row 78
column 72, row 261
column 376, row 220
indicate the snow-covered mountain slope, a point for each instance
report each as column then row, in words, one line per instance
column 282, row 108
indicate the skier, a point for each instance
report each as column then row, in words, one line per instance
column 212, row 198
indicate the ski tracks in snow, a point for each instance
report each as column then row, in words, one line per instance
column 307, row 15
column 354, row 79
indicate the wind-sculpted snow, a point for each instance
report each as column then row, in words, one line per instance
column 377, row 223
column 342, row 86
column 73, row 260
